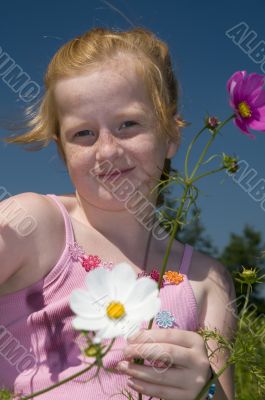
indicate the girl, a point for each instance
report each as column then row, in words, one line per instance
column 111, row 105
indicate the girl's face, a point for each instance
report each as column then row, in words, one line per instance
column 107, row 122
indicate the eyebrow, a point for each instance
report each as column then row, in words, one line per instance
column 122, row 114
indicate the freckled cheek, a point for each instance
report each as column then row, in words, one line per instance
column 153, row 159
column 78, row 159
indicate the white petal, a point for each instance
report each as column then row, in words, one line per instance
column 123, row 272
column 142, row 289
column 84, row 305
column 89, row 324
column 106, row 333
column 123, row 279
column 129, row 327
column 114, row 329
column 98, row 284
column 145, row 310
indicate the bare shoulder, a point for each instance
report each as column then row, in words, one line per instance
column 210, row 272
column 32, row 223
column 28, row 213
column 27, row 203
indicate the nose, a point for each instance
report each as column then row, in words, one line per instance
column 108, row 147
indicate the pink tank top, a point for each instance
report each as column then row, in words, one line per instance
column 39, row 347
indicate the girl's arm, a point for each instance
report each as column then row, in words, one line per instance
column 14, row 243
column 28, row 226
column 220, row 313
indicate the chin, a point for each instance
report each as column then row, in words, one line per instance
column 103, row 197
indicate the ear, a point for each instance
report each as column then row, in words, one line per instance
column 172, row 147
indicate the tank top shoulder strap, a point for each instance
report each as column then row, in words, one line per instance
column 186, row 259
column 69, row 232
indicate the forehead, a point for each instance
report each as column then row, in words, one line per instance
column 113, row 84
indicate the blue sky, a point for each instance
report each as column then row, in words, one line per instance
column 204, row 58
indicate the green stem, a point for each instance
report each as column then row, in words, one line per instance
column 207, row 174
column 170, row 242
column 67, row 379
column 204, row 152
column 169, row 245
column 189, row 150
column 164, row 264
column 245, row 306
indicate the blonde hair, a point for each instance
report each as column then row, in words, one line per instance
column 92, row 48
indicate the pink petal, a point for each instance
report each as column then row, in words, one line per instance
column 253, row 85
column 237, row 94
column 235, row 79
column 253, row 96
column 243, row 127
column 261, row 113
column 260, row 100
column 255, row 116
column 231, row 103
column 257, row 125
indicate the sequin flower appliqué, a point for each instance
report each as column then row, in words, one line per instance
column 173, row 277
column 164, row 319
column 88, row 262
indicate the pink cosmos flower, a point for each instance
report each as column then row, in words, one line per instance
column 247, row 98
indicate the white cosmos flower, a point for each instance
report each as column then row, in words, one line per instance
column 115, row 302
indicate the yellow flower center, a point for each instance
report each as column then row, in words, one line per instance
column 115, row 310
column 244, row 109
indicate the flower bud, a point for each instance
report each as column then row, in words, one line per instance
column 230, row 163
column 212, row 122
column 93, row 350
column 248, row 275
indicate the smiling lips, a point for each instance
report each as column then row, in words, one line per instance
column 117, row 172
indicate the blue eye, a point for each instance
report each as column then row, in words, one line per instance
column 83, row 133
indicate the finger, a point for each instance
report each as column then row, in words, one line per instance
column 171, row 355
column 157, row 391
column 175, row 336
column 177, row 378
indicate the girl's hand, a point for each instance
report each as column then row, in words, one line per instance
column 178, row 363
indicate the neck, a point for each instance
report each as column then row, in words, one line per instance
column 131, row 234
